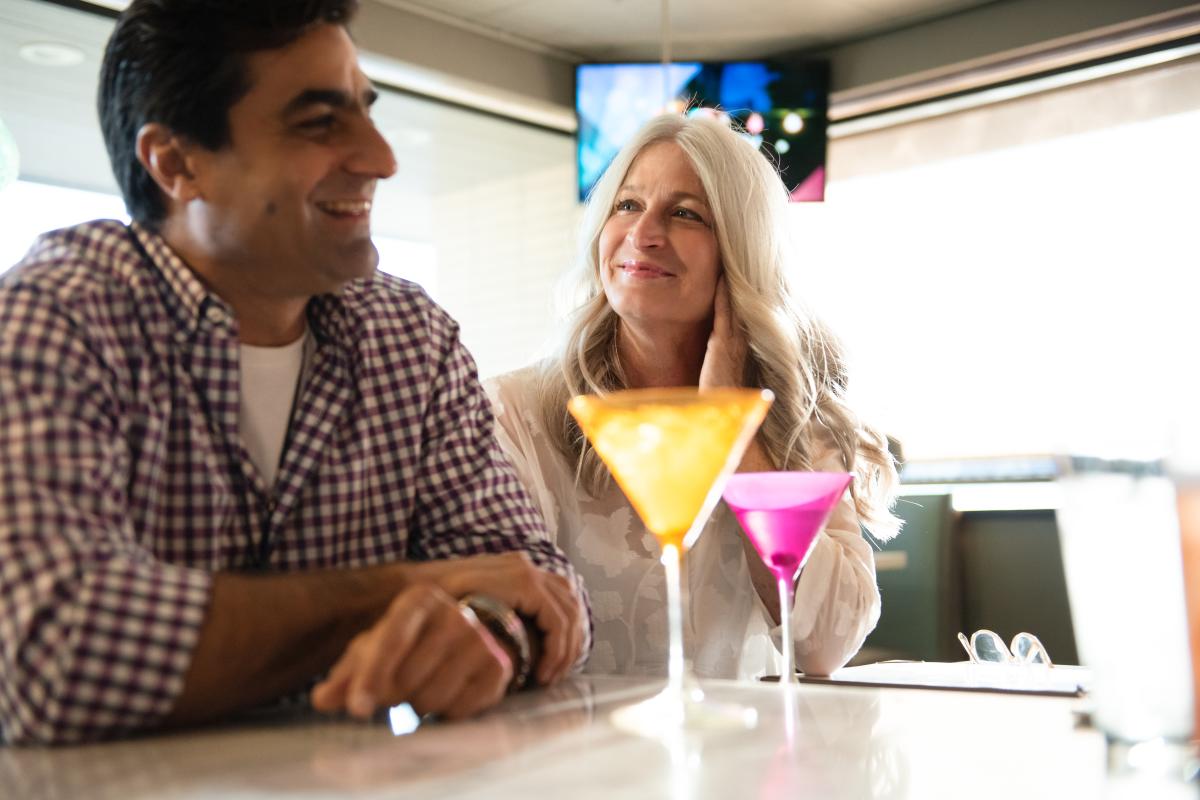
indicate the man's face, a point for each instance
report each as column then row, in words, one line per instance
column 285, row 207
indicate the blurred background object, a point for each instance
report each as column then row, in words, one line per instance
column 10, row 162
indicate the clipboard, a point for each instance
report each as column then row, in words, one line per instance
column 964, row 676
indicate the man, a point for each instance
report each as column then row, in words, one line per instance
column 233, row 459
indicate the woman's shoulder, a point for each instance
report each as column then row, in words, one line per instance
column 516, row 394
column 521, row 379
column 517, row 386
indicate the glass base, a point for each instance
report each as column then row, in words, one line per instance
column 1174, row 760
column 672, row 710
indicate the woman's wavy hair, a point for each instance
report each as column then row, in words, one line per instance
column 790, row 352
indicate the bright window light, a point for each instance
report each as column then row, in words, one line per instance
column 1028, row 299
column 414, row 261
column 29, row 209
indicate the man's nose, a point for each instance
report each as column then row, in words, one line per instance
column 372, row 155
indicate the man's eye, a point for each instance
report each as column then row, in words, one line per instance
column 317, row 123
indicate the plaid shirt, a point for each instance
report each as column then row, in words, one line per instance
column 124, row 483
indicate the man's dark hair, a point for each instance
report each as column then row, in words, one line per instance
column 181, row 63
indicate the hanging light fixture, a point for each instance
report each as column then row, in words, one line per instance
column 664, row 39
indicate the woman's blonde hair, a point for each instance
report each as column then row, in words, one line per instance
column 790, row 352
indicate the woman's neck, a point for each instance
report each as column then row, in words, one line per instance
column 663, row 356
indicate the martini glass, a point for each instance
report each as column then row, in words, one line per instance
column 670, row 451
column 782, row 513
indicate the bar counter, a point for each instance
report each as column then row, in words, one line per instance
column 825, row 742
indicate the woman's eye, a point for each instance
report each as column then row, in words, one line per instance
column 625, row 205
column 687, row 213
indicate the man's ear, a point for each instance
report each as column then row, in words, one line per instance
column 167, row 157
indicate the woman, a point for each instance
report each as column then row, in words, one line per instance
column 683, row 283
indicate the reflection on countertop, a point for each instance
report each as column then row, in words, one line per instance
column 811, row 740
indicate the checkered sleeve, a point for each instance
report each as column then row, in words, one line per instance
column 95, row 634
column 471, row 501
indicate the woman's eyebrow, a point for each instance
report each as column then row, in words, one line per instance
column 634, row 188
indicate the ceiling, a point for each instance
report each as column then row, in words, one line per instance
column 50, row 109
column 608, row 30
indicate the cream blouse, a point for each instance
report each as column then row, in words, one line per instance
column 728, row 632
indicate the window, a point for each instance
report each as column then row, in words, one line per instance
column 29, row 209
column 1014, row 278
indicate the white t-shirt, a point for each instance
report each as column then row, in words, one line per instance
column 728, row 632
column 269, row 379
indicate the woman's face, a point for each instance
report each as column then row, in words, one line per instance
column 658, row 254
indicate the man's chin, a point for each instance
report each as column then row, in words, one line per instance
column 353, row 263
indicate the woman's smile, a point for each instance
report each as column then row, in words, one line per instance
column 643, row 270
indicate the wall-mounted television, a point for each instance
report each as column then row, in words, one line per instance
column 782, row 107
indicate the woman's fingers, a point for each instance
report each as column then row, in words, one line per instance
column 725, row 355
column 721, row 309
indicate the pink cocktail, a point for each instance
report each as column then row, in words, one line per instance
column 782, row 514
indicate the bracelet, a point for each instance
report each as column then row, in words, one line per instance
column 508, row 629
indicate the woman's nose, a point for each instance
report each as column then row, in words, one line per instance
column 647, row 232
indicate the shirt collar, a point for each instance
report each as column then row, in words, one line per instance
column 187, row 298
column 191, row 303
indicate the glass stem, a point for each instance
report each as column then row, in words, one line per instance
column 672, row 562
column 788, row 672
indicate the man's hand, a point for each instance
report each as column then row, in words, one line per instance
column 424, row 651
column 542, row 596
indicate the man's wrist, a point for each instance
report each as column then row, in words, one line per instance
column 510, row 632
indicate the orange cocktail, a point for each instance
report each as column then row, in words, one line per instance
column 667, row 448
column 1188, row 499
column 670, row 451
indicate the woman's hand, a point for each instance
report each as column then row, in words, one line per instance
column 725, row 356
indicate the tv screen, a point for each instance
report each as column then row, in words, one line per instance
column 781, row 107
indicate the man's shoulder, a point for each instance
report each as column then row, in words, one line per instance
column 78, row 262
column 393, row 306
column 73, row 292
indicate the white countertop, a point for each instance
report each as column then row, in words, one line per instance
column 842, row 742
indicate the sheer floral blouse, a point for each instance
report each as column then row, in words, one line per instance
column 728, row 632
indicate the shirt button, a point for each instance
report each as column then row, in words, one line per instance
column 215, row 315
column 271, row 505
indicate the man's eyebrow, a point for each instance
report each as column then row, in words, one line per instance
column 336, row 98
